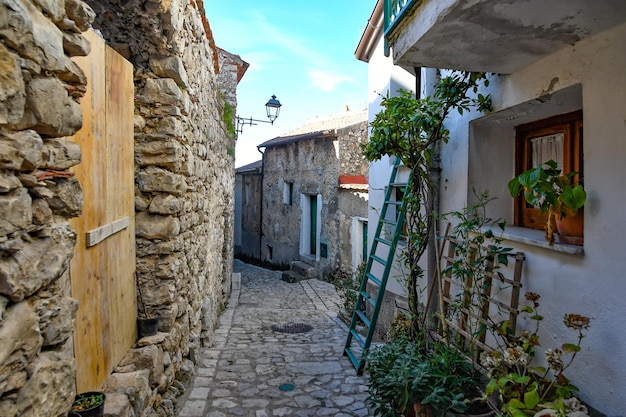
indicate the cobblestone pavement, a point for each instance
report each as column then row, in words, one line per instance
column 255, row 371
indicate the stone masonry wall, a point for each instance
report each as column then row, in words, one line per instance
column 40, row 89
column 184, row 196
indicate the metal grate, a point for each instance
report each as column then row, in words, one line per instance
column 292, row 327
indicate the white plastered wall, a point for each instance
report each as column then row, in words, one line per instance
column 591, row 76
column 383, row 78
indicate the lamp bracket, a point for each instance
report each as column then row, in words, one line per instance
column 242, row 121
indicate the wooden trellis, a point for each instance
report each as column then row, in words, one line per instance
column 497, row 294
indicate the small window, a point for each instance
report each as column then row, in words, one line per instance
column 288, row 193
column 558, row 138
column 270, row 252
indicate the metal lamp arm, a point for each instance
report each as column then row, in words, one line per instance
column 242, row 121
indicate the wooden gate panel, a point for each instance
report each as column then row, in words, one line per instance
column 104, row 260
column 120, row 203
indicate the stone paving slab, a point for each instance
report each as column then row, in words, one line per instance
column 255, row 371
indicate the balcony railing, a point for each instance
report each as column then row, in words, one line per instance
column 395, row 10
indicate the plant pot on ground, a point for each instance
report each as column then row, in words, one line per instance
column 89, row 404
column 148, row 326
column 409, row 378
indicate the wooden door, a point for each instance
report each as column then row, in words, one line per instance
column 102, row 269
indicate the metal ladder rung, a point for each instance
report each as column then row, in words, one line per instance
column 367, row 322
column 393, row 202
column 389, row 222
column 374, row 279
column 379, row 260
column 358, row 338
column 367, row 298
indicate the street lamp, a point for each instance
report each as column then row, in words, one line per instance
column 272, row 108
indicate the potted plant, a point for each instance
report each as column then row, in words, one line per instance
column 453, row 381
column 527, row 390
column 397, row 371
column 407, row 378
column 89, row 404
column 546, row 189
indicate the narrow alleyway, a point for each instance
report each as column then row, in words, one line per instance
column 266, row 362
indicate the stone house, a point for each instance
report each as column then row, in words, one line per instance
column 557, row 67
column 180, row 235
column 314, row 195
column 248, row 210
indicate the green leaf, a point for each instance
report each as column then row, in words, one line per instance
column 520, row 379
column 518, row 413
column 515, row 403
column 531, row 399
column 574, row 198
column 570, row 348
column 491, row 386
column 514, row 187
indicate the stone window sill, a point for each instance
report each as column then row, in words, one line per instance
column 537, row 238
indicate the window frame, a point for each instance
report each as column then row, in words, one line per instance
column 288, row 193
column 571, row 125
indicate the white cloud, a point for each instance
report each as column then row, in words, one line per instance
column 327, row 81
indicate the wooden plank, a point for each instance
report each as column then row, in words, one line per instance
column 96, row 236
column 87, row 266
column 120, row 189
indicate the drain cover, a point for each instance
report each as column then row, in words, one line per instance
column 291, row 327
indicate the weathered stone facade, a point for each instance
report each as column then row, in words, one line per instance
column 183, row 160
column 310, row 166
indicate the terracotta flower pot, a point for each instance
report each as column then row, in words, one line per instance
column 571, row 228
column 420, row 410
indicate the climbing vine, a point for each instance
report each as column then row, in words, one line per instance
column 412, row 130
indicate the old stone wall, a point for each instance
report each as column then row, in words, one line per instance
column 313, row 164
column 40, row 88
column 184, row 195
column 351, row 159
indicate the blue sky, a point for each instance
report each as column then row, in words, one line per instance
column 301, row 51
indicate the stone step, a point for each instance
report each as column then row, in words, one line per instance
column 304, row 269
column 291, row 276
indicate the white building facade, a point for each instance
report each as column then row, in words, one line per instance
column 558, row 66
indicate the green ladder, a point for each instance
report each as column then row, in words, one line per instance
column 377, row 269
